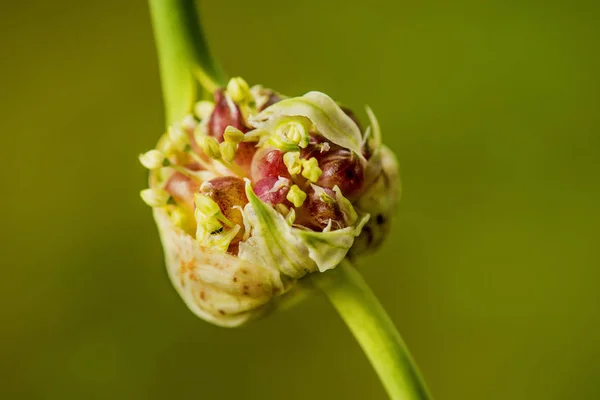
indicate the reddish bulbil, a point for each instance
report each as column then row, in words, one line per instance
column 244, row 155
column 273, row 190
column 225, row 113
column 268, row 162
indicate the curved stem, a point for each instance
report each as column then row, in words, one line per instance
column 374, row 331
column 183, row 55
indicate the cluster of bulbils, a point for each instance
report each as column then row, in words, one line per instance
column 255, row 190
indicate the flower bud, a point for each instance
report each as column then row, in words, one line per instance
column 233, row 135
column 152, row 159
column 210, row 147
column 203, row 109
column 178, row 137
column 227, row 150
column 292, row 162
column 188, row 123
column 311, row 170
column 295, row 130
column 155, row 197
column 239, row 90
column 296, row 196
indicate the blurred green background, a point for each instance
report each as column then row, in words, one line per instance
column 492, row 270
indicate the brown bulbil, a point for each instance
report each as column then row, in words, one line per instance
column 318, row 209
column 228, row 192
column 344, row 169
column 234, row 247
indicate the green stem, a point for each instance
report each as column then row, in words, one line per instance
column 374, row 331
column 183, row 55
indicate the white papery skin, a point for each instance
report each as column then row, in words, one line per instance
column 218, row 287
column 274, row 255
column 229, row 290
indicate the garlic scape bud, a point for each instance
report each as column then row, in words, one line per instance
column 255, row 191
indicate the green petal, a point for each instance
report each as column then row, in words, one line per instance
column 375, row 126
column 329, row 119
column 273, row 241
column 328, row 249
